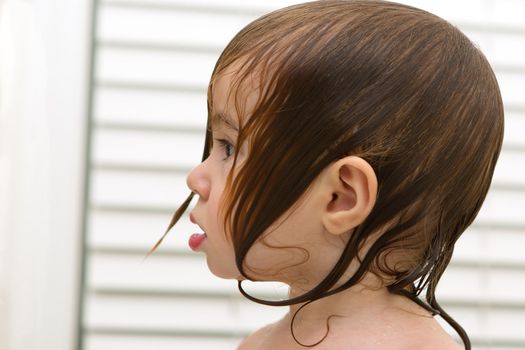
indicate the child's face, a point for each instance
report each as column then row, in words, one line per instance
column 208, row 181
column 292, row 237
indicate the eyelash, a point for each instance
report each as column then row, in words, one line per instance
column 224, row 145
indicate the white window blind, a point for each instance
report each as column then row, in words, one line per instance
column 152, row 61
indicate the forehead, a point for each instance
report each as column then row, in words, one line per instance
column 221, row 118
column 234, row 95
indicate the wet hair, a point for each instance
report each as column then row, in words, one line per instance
column 395, row 85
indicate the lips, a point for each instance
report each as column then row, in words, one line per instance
column 196, row 239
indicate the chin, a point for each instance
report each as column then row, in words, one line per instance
column 225, row 272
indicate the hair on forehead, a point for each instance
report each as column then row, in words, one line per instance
column 246, row 79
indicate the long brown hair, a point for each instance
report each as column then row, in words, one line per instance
column 396, row 85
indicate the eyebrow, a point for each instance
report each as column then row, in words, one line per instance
column 220, row 117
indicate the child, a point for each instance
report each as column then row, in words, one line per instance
column 349, row 145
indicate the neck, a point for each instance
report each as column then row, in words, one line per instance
column 364, row 300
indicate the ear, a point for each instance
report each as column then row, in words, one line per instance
column 349, row 190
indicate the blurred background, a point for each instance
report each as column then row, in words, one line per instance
column 102, row 115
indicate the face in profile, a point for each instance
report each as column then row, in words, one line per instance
column 208, row 181
column 290, row 247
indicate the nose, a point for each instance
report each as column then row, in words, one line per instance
column 198, row 182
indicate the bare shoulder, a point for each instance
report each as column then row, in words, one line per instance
column 436, row 339
column 441, row 344
column 423, row 332
column 253, row 340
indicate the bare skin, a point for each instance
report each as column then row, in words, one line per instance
column 370, row 319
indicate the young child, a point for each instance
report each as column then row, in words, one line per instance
column 349, row 145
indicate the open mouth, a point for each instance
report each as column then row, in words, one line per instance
column 196, row 240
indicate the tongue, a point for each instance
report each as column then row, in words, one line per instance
column 196, row 240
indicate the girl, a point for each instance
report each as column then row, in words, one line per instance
column 349, row 145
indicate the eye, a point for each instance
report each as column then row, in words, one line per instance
column 227, row 147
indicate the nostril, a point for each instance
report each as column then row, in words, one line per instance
column 191, row 181
column 188, row 184
column 199, row 186
column 198, row 181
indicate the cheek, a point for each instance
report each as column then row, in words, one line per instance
column 287, row 250
column 222, row 264
column 220, row 253
column 213, row 211
column 270, row 260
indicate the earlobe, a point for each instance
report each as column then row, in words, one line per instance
column 350, row 189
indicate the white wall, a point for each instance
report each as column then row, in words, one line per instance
column 44, row 55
